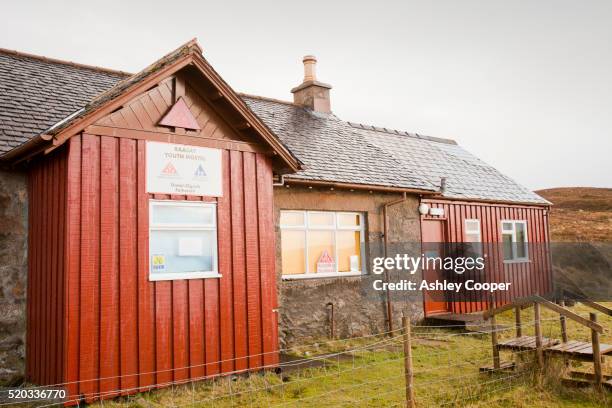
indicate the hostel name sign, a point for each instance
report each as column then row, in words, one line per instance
column 182, row 169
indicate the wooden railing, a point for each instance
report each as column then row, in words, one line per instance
column 537, row 302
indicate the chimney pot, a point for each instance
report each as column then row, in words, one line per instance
column 310, row 65
column 311, row 93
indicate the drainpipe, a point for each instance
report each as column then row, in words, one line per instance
column 385, row 251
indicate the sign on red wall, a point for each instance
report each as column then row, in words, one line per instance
column 183, row 169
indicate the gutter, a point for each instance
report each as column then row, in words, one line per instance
column 385, row 208
column 355, row 186
column 28, row 149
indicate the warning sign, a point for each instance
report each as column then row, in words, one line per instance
column 326, row 263
column 183, row 169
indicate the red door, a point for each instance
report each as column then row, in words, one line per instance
column 432, row 241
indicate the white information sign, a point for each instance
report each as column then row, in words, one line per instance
column 183, row 169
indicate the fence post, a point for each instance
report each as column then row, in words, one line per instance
column 538, row 335
column 408, row 373
column 563, row 322
column 596, row 354
column 517, row 320
column 496, row 360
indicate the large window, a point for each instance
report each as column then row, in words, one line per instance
column 182, row 240
column 514, row 241
column 321, row 243
column 473, row 237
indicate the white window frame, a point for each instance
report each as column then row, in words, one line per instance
column 512, row 231
column 475, row 231
column 214, row 273
column 307, row 226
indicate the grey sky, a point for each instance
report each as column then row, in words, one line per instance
column 525, row 85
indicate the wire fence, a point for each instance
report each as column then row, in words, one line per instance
column 445, row 370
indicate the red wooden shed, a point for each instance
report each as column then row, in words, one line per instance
column 100, row 320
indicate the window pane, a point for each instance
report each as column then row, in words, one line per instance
column 182, row 214
column 321, row 219
column 507, row 226
column 472, row 226
column 318, row 243
column 472, row 237
column 182, row 251
column 507, row 245
column 292, row 218
column 349, row 251
column 293, row 255
column 521, row 240
column 348, row 220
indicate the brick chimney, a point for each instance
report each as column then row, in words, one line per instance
column 311, row 93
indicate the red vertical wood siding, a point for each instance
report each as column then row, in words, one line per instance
column 45, row 361
column 526, row 277
column 96, row 321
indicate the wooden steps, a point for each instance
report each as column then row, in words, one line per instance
column 577, row 350
column 525, row 343
column 584, row 379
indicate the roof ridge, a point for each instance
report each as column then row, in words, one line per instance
column 401, row 133
column 63, row 62
column 265, row 98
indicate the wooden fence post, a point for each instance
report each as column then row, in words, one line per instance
column 496, row 360
column 596, row 354
column 563, row 322
column 517, row 320
column 408, row 373
column 538, row 335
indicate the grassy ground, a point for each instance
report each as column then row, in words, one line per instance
column 446, row 365
column 580, row 214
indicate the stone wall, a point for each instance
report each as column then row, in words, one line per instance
column 358, row 310
column 13, row 274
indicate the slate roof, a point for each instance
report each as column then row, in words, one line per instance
column 36, row 93
column 334, row 150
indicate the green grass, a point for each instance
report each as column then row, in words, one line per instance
column 446, row 365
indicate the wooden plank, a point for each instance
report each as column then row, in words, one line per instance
column 267, row 261
column 73, row 263
column 146, row 289
column 196, row 328
column 238, row 261
column 44, row 277
column 90, row 265
column 128, row 294
column 252, row 262
column 226, row 308
column 62, row 268
column 160, row 135
column 517, row 302
column 577, row 318
column 596, row 351
column 212, row 330
column 109, row 258
column 180, row 342
column 597, row 306
column 163, row 335
column 53, row 268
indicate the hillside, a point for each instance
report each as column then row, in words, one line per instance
column 580, row 214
